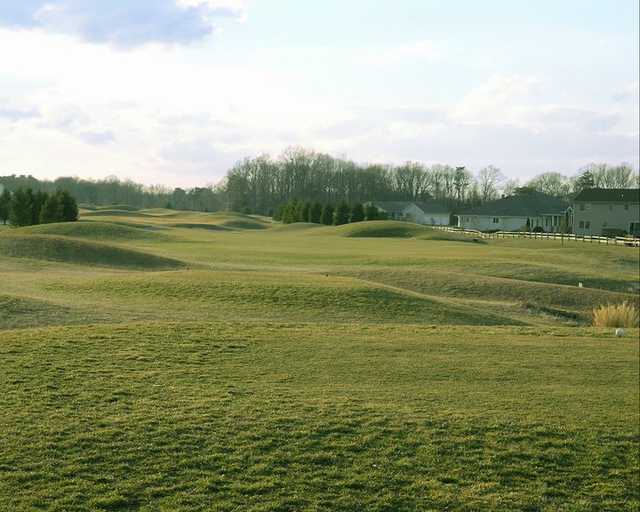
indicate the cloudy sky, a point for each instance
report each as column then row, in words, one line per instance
column 176, row 91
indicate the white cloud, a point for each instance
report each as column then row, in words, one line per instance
column 122, row 22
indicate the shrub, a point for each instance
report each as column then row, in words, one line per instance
column 341, row 214
column 326, row 217
column 616, row 315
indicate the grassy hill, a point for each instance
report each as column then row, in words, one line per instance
column 71, row 250
column 375, row 366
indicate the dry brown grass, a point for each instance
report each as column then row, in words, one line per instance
column 616, row 315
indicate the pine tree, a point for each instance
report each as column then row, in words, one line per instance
column 39, row 198
column 371, row 212
column 585, row 181
column 326, row 217
column 341, row 215
column 68, row 207
column 305, row 212
column 51, row 210
column 5, row 205
column 315, row 213
column 357, row 213
column 20, row 208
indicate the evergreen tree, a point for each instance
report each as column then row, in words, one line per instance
column 326, row 217
column 585, row 181
column 357, row 213
column 5, row 205
column 315, row 213
column 20, row 208
column 341, row 215
column 39, row 198
column 68, row 207
column 277, row 215
column 305, row 212
column 371, row 212
column 51, row 210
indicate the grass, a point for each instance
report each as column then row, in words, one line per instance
column 378, row 366
column 71, row 250
column 100, row 231
column 397, row 229
column 616, row 315
column 201, row 416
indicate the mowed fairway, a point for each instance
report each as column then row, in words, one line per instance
column 162, row 360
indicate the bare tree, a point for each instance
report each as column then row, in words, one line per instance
column 489, row 180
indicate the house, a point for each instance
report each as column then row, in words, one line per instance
column 526, row 211
column 429, row 212
column 607, row 211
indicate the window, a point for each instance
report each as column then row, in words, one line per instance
column 634, row 228
column 587, row 224
column 582, row 224
column 496, row 220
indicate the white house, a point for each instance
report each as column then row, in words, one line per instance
column 601, row 211
column 428, row 212
column 526, row 211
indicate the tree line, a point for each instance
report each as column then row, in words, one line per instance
column 263, row 184
column 112, row 191
column 327, row 214
column 24, row 207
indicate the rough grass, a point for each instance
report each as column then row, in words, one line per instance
column 242, row 416
column 219, row 295
column 616, row 315
column 398, row 229
column 91, row 230
column 293, row 369
column 69, row 250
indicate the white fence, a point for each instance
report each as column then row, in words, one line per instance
column 619, row 240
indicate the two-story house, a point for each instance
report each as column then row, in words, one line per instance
column 607, row 211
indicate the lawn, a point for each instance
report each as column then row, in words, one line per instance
column 161, row 360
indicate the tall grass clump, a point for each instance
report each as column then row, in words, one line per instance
column 616, row 315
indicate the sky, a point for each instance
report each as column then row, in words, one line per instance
column 175, row 92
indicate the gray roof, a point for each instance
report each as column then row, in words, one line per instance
column 391, row 206
column 432, row 206
column 609, row 195
column 428, row 206
column 530, row 204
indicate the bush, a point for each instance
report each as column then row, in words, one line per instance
column 616, row 315
column 613, row 232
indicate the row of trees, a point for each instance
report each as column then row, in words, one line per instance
column 27, row 208
column 328, row 214
column 261, row 184
column 114, row 191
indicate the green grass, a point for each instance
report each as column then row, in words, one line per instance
column 100, row 231
column 379, row 366
column 245, row 416
column 397, row 229
column 71, row 250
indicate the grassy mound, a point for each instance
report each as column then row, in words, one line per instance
column 114, row 213
column 120, row 207
column 69, row 250
column 91, row 230
column 290, row 296
column 298, row 226
column 396, row 229
column 196, row 225
column 247, row 223
column 19, row 312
